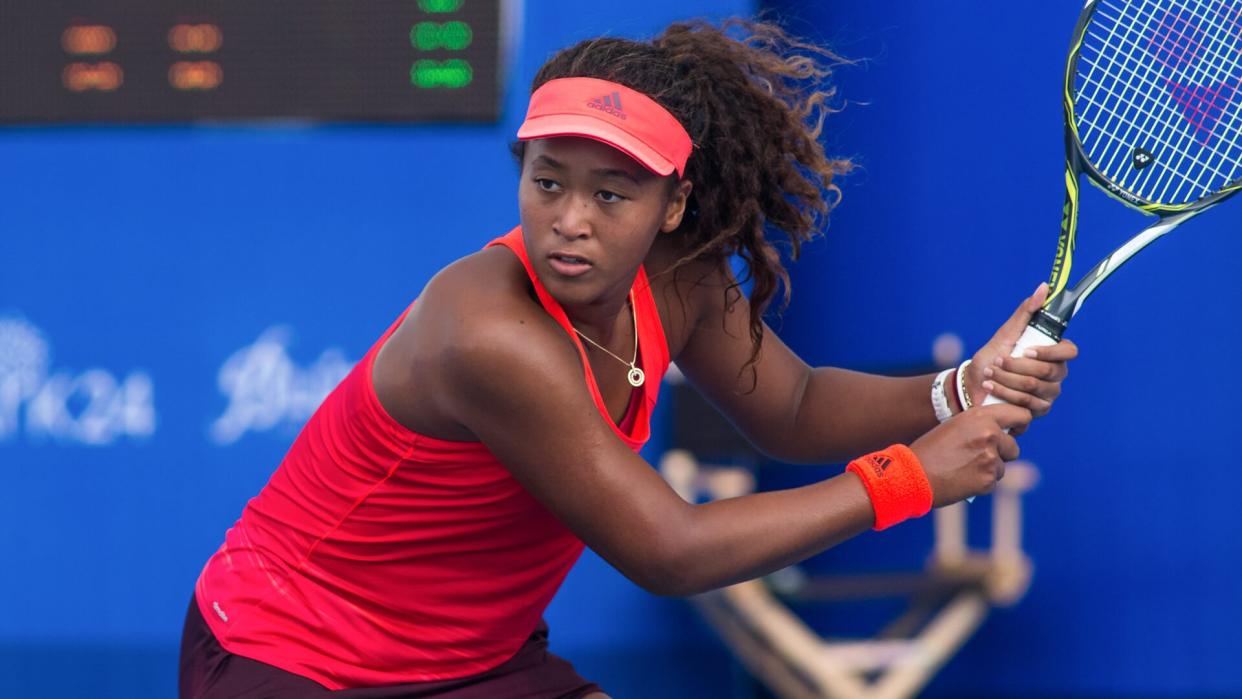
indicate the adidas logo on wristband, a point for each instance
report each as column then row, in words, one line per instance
column 880, row 463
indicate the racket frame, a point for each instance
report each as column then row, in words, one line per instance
column 1062, row 302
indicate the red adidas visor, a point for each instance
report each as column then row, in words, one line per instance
column 625, row 119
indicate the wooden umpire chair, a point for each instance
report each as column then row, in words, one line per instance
column 947, row 600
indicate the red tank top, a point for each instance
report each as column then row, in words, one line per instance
column 378, row 556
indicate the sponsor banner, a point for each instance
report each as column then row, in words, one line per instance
column 40, row 402
column 266, row 389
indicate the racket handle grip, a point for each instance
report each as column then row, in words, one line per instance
column 1031, row 337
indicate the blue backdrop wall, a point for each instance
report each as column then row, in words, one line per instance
column 175, row 300
column 950, row 221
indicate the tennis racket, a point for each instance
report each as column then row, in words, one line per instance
column 1153, row 116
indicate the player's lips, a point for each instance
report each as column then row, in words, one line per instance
column 569, row 264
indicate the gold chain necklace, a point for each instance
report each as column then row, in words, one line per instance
column 635, row 376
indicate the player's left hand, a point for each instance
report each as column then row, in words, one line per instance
column 1033, row 381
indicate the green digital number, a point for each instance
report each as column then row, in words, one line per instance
column 439, row 6
column 453, row 73
column 429, row 36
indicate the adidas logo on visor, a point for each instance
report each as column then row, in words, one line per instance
column 609, row 104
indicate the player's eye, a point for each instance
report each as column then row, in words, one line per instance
column 547, row 185
column 609, row 197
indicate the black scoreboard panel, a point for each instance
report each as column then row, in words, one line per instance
column 118, row 61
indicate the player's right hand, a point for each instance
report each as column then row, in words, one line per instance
column 965, row 456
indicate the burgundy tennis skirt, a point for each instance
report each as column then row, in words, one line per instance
column 209, row 672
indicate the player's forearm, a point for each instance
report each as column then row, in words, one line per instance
column 728, row 541
column 843, row 414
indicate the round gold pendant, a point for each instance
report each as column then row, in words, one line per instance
column 636, row 376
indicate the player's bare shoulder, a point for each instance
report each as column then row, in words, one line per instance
column 481, row 287
column 485, row 301
column 460, row 330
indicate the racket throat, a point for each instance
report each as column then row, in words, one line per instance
column 1047, row 322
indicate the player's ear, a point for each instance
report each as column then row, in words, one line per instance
column 676, row 207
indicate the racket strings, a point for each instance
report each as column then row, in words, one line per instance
column 1201, row 98
column 1198, row 96
column 1163, row 47
column 1113, row 77
column 1168, row 53
column 1213, row 163
column 1161, row 81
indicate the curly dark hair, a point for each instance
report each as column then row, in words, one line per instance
column 754, row 107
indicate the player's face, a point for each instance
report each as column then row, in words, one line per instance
column 590, row 214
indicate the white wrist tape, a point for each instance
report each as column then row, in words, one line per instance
column 940, row 401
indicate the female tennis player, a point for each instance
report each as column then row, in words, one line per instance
column 411, row 539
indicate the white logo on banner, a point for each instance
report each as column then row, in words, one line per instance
column 266, row 389
column 92, row 408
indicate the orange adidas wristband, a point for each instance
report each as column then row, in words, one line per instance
column 896, row 483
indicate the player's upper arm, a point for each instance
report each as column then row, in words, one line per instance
column 517, row 384
column 763, row 405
